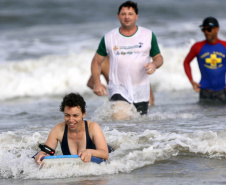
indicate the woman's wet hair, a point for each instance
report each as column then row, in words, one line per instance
column 73, row 100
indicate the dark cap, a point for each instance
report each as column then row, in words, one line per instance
column 210, row 21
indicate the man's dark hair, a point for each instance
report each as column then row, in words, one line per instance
column 73, row 100
column 129, row 4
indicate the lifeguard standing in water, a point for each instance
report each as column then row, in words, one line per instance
column 211, row 55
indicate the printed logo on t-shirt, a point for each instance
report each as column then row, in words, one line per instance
column 140, row 44
column 115, row 48
column 213, row 62
column 130, row 48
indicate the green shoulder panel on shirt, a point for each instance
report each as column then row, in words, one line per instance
column 102, row 48
column 154, row 46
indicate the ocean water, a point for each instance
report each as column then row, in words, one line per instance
column 46, row 48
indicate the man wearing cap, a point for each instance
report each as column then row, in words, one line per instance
column 210, row 54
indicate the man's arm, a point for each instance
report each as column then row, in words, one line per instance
column 191, row 55
column 98, row 88
column 155, row 64
column 104, row 71
column 157, row 59
column 152, row 98
column 97, row 136
column 90, row 83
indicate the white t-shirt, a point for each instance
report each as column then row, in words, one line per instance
column 127, row 56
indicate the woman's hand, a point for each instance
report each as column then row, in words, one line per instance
column 39, row 156
column 85, row 155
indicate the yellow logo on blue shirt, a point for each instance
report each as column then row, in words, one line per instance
column 213, row 61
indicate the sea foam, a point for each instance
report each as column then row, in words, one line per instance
column 57, row 74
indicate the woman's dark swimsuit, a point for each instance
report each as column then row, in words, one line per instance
column 89, row 142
